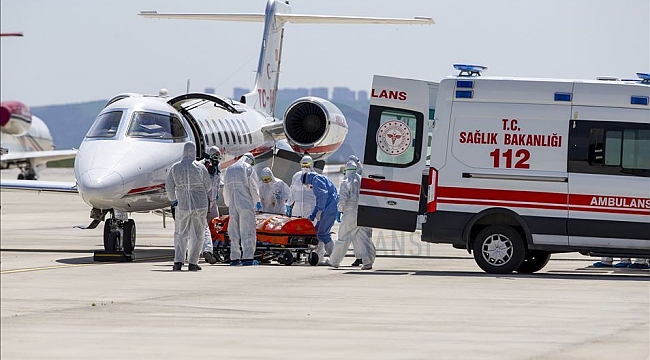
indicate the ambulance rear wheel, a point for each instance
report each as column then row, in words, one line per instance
column 534, row 261
column 499, row 249
column 129, row 236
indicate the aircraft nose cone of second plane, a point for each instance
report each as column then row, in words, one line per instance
column 99, row 187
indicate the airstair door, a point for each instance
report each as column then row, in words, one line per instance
column 395, row 154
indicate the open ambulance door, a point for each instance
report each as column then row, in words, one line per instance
column 395, row 154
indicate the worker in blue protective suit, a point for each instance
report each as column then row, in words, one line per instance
column 213, row 164
column 274, row 193
column 241, row 194
column 188, row 182
column 301, row 200
column 326, row 200
column 349, row 231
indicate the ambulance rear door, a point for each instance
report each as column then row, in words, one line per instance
column 395, row 153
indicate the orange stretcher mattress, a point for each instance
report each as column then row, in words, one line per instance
column 271, row 228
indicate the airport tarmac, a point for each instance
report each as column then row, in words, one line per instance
column 421, row 301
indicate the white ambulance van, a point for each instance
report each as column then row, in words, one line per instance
column 519, row 168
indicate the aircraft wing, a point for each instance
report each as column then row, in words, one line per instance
column 39, row 157
column 293, row 18
column 39, row 185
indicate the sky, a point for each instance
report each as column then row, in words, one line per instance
column 76, row 50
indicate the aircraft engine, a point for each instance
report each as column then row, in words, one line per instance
column 315, row 126
column 15, row 118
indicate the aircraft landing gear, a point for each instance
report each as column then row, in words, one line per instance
column 119, row 240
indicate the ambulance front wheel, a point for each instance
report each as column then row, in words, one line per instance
column 534, row 261
column 499, row 249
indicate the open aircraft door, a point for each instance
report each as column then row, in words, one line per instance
column 395, row 154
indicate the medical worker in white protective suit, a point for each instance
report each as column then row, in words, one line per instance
column 241, row 194
column 213, row 164
column 274, row 193
column 357, row 255
column 349, row 231
column 302, row 200
column 188, row 182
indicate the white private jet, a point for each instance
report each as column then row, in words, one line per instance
column 123, row 161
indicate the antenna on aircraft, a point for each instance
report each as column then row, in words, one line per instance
column 187, row 88
column 163, row 92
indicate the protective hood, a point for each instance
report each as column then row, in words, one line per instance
column 308, row 178
column 350, row 169
column 189, row 151
column 267, row 172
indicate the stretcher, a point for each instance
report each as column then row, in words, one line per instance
column 280, row 238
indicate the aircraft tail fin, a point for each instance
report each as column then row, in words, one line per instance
column 278, row 13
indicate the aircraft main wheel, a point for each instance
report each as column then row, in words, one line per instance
column 110, row 240
column 498, row 249
column 534, row 261
column 110, row 243
column 129, row 236
column 313, row 259
column 287, row 258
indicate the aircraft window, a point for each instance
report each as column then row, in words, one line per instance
column 232, row 132
column 105, row 125
column 243, row 132
column 225, row 132
column 214, row 139
column 156, row 126
column 248, row 131
column 238, row 130
column 216, row 126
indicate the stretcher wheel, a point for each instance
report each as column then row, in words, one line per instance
column 313, row 259
column 287, row 258
column 221, row 252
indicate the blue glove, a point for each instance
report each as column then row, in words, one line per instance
column 312, row 216
column 174, row 202
column 288, row 210
column 338, row 216
column 258, row 206
column 217, row 197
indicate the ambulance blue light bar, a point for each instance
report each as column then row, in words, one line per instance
column 645, row 77
column 562, row 96
column 466, row 84
column 469, row 70
column 464, row 94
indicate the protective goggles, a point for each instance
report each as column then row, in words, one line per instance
column 305, row 165
column 266, row 179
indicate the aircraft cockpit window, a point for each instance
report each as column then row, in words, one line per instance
column 105, row 125
column 156, row 126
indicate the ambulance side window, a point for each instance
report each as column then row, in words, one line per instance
column 615, row 148
column 394, row 137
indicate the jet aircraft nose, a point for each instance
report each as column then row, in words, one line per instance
column 100, row 187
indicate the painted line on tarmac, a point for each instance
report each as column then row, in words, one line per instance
column 63, row 266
